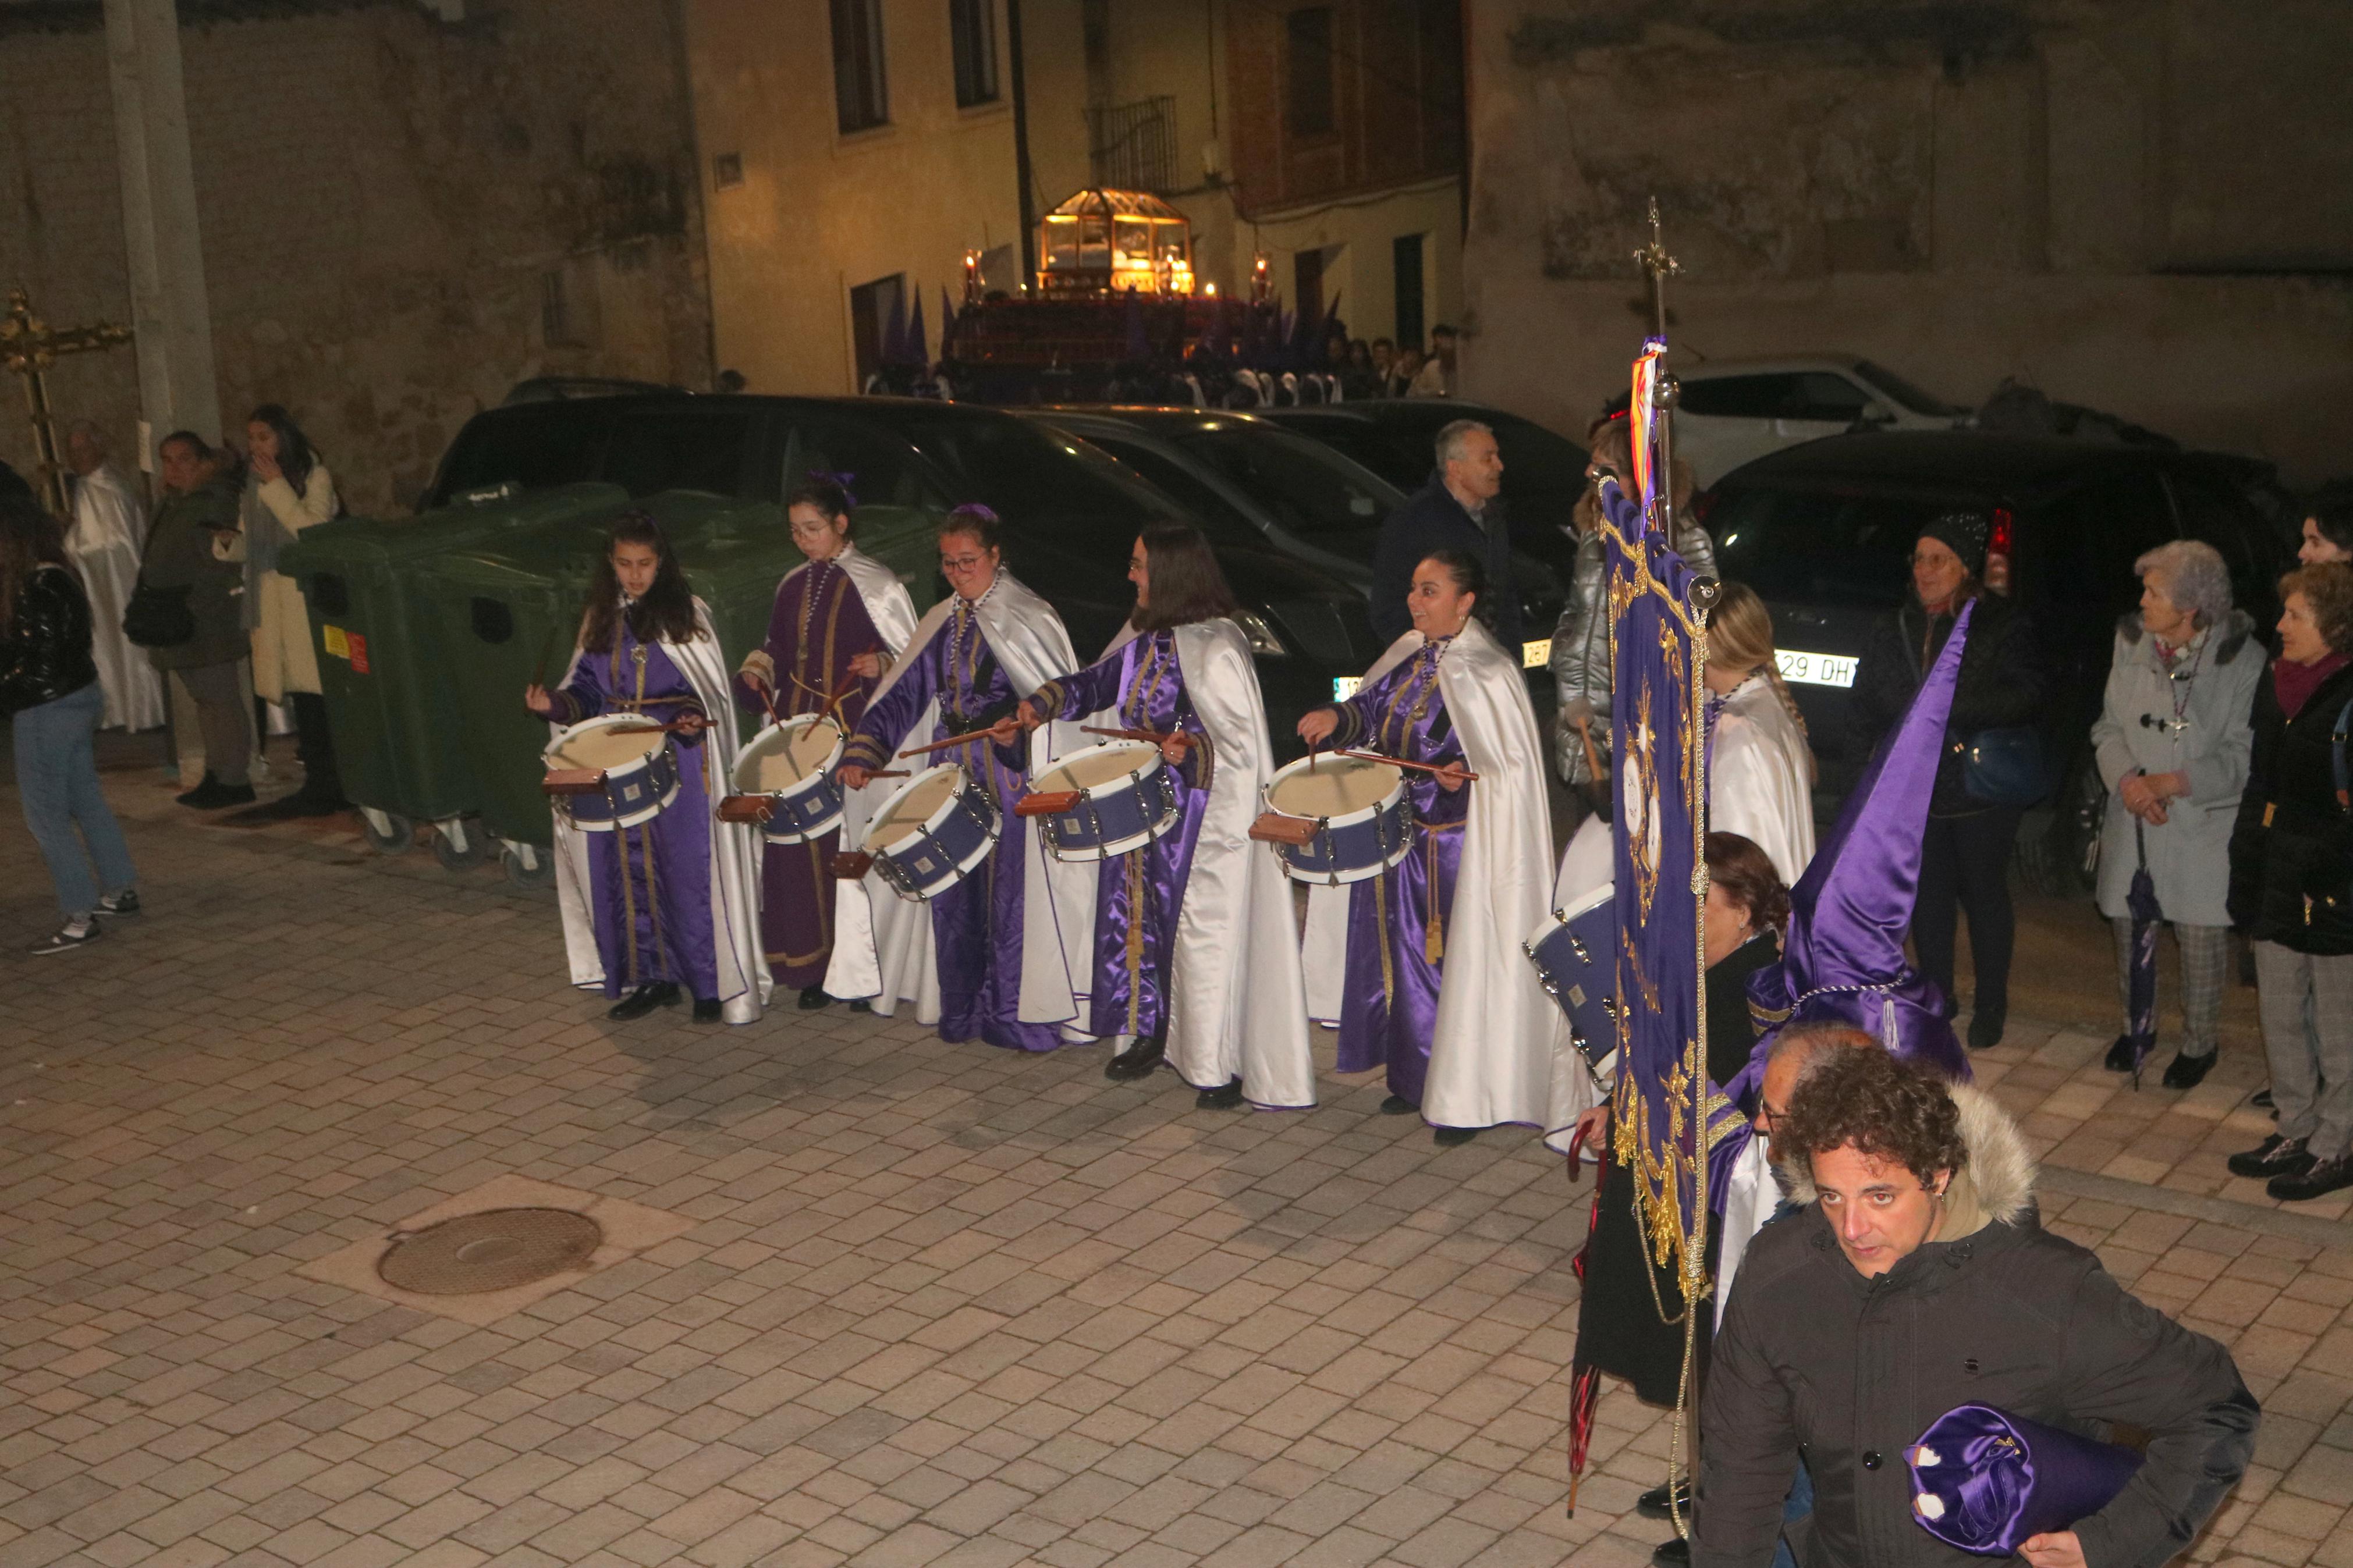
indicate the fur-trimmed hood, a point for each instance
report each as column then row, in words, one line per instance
column 2234, row 634
column 1996, row 1187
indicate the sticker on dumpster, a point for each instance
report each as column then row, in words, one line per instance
column 332, row 637
column 359, row 652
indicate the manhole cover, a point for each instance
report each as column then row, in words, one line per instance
column 492, row 1251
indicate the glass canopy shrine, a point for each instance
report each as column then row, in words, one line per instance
column 1103, row 239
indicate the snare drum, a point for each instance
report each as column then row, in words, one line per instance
column 1576, row 954
column 931, row 831
column 610, row 772
column 790, row 767
column 1362, row 820
column 1126, row 800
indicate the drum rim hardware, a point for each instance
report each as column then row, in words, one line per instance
column 961, row 799
column 1157, row 825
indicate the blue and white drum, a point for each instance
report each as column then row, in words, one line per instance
column 617, row 770
column 1363, row 820
column 932, row 832
column 790, row 766
column 1576, row 954
column 1126, row 799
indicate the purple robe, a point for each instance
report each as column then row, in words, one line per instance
column 649, row 886
column 975, row 924
column 1140, row 891
column 819, row 624
column 1396, row 954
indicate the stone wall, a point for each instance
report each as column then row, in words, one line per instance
column 385, row 197
column 2136, row 204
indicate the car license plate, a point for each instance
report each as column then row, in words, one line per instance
column 1816, row 668
column 1346, row 686
column 1535, row 654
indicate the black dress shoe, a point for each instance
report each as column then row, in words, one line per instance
column 861, row 1005
column 1224, row 1098
column 706, row 1010
column 813, row 997
column 1652, row 1504
column 1451, row 1136
column 1675, row 1553
column 2186, row 1071
column 203, row 791
column 1136, row 1061
column 643, row 1000
column 2120, row 1055
column 287, row 807
column 213, row 796
column 1985, row 1033
column 1398, row 1105
column 2274, row 1156
column 2318, row 1180
column 2262, row 1099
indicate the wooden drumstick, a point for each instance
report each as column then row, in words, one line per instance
column 966, row 739
column 1154, row 736
column 1401, row 763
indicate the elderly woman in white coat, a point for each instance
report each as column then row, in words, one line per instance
column 2172, row 743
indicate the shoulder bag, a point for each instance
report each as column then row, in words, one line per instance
column 2004, row 766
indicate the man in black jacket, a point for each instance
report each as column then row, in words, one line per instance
column 1917, row 1278
column 1457, row 510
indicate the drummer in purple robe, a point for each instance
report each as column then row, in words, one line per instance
column 994, row 959
column 670, row 905
column 1195, row 956
column 840, row 619
column 1433, row 987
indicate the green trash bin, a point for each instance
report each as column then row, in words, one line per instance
column 384, row 665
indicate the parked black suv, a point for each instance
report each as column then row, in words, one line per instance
column 1070, row 512
column 1824, row 533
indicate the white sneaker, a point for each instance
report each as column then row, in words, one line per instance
column 70, row 935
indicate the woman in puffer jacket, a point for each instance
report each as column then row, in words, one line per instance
column 49, row 688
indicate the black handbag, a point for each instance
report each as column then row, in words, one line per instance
column 2004, row 766
column 159, row 617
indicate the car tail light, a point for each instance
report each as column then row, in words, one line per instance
column 1999, row 543
column 1701, row 505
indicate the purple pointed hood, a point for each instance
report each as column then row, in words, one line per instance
column 1844, row 960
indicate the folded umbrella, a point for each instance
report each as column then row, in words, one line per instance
column 1984, row 1481
column 2140, row 978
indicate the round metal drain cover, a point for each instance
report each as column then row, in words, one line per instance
column 492, row 1251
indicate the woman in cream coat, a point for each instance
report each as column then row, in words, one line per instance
column 1760, row 771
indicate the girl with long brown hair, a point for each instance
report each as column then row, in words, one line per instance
column 1760, row 771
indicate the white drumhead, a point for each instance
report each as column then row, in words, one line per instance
column 1331, row 786
column 605, row 743
column 784, row 756
column 1098, row 766
column 913, row 805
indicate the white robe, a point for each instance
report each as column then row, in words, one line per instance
column 1238, row 1000
column 884, row 597
column 1758, row 783
column 744, row 981
column 882, row 944
column 104, row 541
column 1496, row 1046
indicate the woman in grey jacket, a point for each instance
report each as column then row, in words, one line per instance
column 2171, row 742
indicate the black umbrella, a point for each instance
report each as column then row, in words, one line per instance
column 2141, row 980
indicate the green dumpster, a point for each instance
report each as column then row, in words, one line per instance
column 383, row 667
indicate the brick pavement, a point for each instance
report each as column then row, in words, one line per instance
column 937, row 1305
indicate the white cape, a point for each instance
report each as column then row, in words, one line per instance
column 104, row 543
column 1751, row 1194
column 882, row 945
column 1238, row 1000
column 1758, row 783
column 744, row 981
column 879, row 590
column 1496, row 1047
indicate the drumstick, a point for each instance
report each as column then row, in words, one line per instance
column 1154, row 736
column 546, row 652
column 1592, row 754
column 965, row 739
column 1401, row 763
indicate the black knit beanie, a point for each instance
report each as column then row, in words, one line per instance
column 1964, row 533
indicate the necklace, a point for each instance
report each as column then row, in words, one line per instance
column 809, row 591
column 967, row 609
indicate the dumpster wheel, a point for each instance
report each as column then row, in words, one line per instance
column 528, row 865
column 386, row 832
column 459, row 844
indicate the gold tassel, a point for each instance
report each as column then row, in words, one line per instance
column 1433, row 930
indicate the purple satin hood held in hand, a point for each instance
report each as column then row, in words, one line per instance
column 1985, row 1480
column 1843, row 961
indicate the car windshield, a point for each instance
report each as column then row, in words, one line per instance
column 1819, row 548
column 1902, row 392
column 1310, row 490
column 1219, row 519
column 534, row 446
column 1022, row 472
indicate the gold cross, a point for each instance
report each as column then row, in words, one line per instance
column 28, row 346
column 1659, row 266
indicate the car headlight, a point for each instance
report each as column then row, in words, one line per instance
column 1262, row 640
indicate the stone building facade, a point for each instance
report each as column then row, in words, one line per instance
column 405, row 211
column 2135, row 205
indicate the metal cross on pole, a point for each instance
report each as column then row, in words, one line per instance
column 1658, row 266
column 28, row 346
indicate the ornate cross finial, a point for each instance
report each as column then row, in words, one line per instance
column 28, row 347
column 1659, row 266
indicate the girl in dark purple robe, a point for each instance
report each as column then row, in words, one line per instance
column 955, row 673
column 1397, row 921
column 1177, row 582
column 823, row 652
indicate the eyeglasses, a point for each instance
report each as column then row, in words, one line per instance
column 963, row 562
